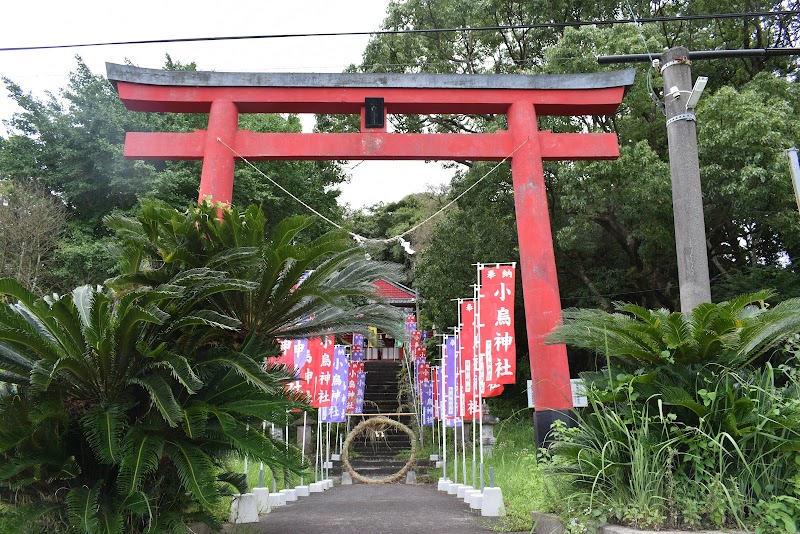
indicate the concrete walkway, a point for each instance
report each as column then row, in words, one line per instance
column 379, row 508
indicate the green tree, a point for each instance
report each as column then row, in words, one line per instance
column 31, row 221
column 384, row 221
column 72, row 144
column 611, row 221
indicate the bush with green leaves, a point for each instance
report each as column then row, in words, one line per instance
column 126, row 403
column 690, row 424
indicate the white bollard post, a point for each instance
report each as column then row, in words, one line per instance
column 492, row 505
column 262, row 500
column 468, row 495
column 244, row 509
column 277, row 499
column 476, row 500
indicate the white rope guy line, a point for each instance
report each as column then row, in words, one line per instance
column 465, row 191
column 279, row 186
column 362, row 239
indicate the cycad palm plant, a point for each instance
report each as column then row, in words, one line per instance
column 301, row 286
column 112, row 427
column 127, row 402
column 700, row 386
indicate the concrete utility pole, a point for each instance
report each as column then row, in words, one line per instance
column 687, row 195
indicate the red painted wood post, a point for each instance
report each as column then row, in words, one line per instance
column 549, row 366
column 216, row 180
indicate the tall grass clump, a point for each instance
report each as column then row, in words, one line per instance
column 695, row 420
column 517, row 473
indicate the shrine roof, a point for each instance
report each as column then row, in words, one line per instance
column 595, row 80
column 395, row 293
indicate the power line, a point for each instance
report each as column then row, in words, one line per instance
column 705, row 54
column 545, row 25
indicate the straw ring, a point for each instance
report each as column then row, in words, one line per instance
column 373, row 424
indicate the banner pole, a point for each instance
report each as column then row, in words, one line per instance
column 318, row 449
column 481, row 374
column 455, row 449
column 328, row 451
column 456, row 402
column 439, row 424
column 247, row 429
column 414, row 398
column 286, row 474
column 303, row 445
column 272, row 469
column 442, row 412
column 475, row 388
column 261, row 463
column 434, row 426
column 463, row 453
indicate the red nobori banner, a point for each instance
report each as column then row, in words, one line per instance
column 416, row 345
column 423, row 374
column 468, row 373
column 287, row 355
column 318, row 372
column 496, row 310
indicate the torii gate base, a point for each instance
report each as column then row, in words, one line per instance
column 521, row 97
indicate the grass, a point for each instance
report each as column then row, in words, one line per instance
column 516, row 472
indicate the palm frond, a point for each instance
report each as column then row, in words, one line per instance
column 82, row 508
column 195, row 470
column 14, row 361
column 141, row 452
column 111, row 521
column 103, row 428
column 12, row 288
column 162, row 397
column 263, row 447
column 195, row 417
column 251, row 371
column 82, row 299
column 769, row 329
column 178, row 366
column 237, row 480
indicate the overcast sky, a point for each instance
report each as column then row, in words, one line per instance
column 56, row 22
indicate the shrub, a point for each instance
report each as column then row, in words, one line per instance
column 689, row 424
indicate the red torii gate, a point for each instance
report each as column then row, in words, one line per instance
column 521, row 97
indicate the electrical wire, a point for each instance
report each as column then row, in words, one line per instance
column 649, row 80
column 545, row 25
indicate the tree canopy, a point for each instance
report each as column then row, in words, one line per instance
column 71, row 143
column 612, row 221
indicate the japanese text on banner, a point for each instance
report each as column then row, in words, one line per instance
column 336, row 413
column 497, row 323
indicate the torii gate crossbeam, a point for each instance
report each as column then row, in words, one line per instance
column 520, row 97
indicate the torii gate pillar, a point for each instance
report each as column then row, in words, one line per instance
column 549, row 368
column 520, row 97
